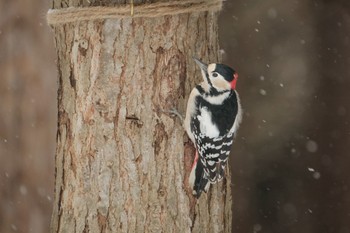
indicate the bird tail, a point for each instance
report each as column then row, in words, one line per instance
column 198, row 179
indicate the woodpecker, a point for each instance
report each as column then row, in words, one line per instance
column 212, row 118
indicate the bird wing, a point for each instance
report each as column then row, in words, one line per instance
column 213, row 152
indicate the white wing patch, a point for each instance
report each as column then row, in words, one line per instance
column 206, row 124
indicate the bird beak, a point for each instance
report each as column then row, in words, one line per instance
column 202, row 65
column 204, row 70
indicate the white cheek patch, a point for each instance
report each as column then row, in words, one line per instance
column 220, row 83
column 206, row 125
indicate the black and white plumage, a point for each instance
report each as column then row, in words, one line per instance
column 212, row 118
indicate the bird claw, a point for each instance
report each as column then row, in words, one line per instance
column 174, row 112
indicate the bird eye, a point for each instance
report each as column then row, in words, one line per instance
column 215, row 75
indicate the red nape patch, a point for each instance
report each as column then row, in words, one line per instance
column 234, row 81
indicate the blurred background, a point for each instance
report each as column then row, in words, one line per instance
column 290, row 158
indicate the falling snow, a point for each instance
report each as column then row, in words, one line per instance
column 272, row 13
column 14, row 227
column 316, row 175
column 23, row 190
column 311, row 146
column 262, row 92
column 257, row 228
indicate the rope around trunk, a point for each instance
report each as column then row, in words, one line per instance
column 152, row 10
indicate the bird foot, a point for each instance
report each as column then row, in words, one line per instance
column 174, row 112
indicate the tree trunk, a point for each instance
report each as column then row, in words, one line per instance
column 122, row 165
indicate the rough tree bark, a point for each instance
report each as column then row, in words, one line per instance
column 122, row 164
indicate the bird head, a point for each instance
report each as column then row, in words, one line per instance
column 218, row 76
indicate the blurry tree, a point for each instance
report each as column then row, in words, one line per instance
column 27, row 117
column 121, row 164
